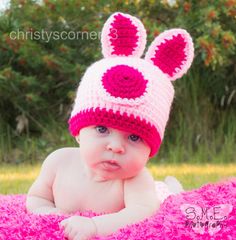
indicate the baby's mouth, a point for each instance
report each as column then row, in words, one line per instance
column 110, row 165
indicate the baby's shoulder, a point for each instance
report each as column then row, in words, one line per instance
column 143, row 178
column 61, row 156
column 66, row 151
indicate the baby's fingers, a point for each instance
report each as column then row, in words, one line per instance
column 63, row 223
column 68, row 232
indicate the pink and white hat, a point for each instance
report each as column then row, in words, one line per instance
column 126, row 92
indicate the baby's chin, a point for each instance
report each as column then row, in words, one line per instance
column 107, row 172
column 110, row 176
column 100, row 178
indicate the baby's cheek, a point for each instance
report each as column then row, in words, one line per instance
column 85, row 154
column 136, row 166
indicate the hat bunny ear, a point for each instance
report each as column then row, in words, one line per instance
column 123, row 35
column 172, row 52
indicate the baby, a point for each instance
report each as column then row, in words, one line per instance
column 119, row 117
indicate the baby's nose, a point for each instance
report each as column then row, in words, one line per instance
column 116, row 145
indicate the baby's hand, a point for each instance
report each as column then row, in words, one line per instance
column 78, row 228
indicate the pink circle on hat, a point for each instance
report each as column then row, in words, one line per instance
column 124, row 81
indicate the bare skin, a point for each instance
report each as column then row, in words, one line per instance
column 68, row 183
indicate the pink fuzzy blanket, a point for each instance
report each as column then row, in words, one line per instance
column 205, row 213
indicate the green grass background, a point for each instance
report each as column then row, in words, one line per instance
column 16, row 179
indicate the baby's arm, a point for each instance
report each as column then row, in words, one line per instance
column 140, row 202
column 40, row 196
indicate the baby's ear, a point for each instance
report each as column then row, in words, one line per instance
column 123, row 35
column 172, row 52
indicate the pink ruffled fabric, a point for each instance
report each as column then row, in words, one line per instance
column 168, row 223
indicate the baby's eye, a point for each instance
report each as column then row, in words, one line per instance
column 134, row 138
column 101, row 129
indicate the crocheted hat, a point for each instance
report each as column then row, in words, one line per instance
column 129, row 93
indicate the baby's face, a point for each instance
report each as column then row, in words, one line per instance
column 111, row 153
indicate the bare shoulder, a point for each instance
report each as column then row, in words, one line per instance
column 60, row 157
column 140, row 189
column 144, row 177
column 62, row 152
column 54, row 161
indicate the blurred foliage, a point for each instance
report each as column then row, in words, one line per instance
column 39, row 75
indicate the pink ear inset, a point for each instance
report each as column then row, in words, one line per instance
column 172, row 52
column 123, row 35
